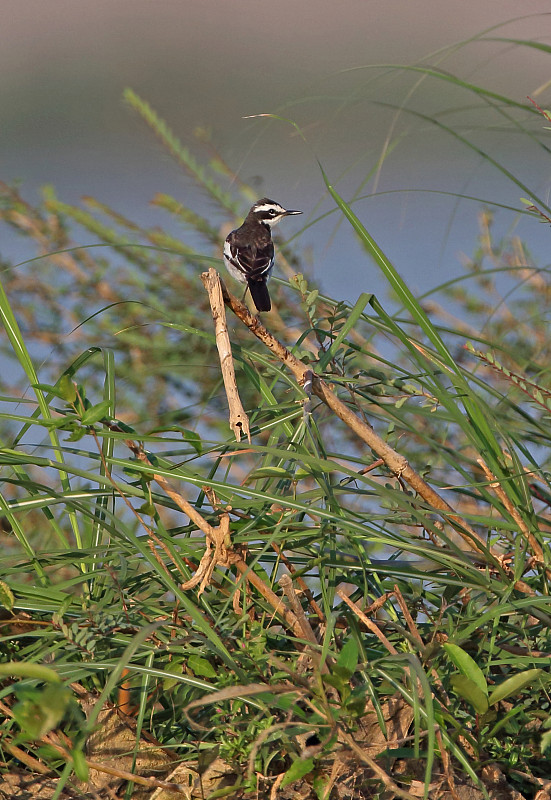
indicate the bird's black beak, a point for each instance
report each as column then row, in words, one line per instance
column 290, row 213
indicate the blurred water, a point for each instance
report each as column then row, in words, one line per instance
column 64, row 66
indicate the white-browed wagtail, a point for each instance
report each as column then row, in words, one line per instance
column 249, row 250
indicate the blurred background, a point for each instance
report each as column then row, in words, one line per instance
column 332, row 68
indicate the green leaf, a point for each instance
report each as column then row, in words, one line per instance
column 297, row 770
column 79, row 764
column 357, row 700
column 67, row 389
column 513, row 685
column 348, row 657
column 188, row 436
column 193, row 439
column 336, row 679
column 174, row 668
column 48, row 389
column 299, row 281
column 200, row 666
column 320, row 785
column 466, row 665
column 147, row 508
column 97, row 412
column 312, row 297
column 26, row 669
column 469, row 691
column 76, row 434
column 41, row 711
column 269, row 472
column 7, row 599
column 59, row 613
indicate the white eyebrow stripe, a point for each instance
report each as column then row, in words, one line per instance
column 269, row 207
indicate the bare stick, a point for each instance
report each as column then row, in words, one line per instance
column 495, row 485
column 239, row 421
column 367, row 622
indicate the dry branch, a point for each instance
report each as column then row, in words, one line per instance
column 397, row 463
column 523, row 528
column 225, row 552
column 394, row 461
column 239, row 421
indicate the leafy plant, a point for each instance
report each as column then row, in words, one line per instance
column 361, row 591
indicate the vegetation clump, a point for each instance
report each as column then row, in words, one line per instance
column 350, row 602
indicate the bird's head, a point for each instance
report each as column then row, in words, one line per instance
column 269, row 213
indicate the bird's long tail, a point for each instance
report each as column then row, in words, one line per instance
column 260, row 295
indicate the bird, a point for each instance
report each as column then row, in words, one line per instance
column 249, row 250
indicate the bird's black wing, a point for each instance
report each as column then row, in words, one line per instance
column 253, row 261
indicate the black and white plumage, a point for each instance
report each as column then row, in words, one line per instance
column 249, row 250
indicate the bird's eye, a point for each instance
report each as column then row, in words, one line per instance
column 273, row 212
